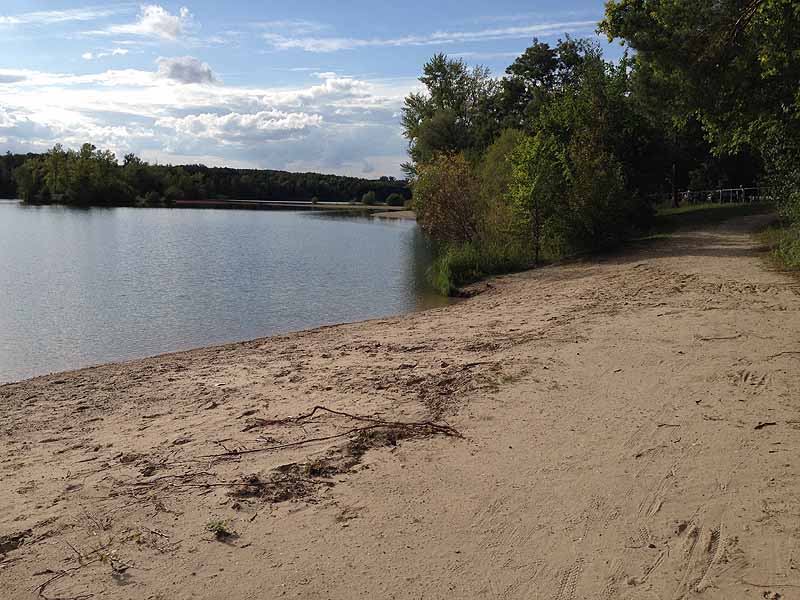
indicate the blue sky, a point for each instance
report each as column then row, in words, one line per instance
column 286, row 85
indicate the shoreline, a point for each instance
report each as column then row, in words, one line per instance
column 568, row 428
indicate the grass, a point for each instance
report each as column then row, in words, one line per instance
column 458, row 266
column 783, row 241
column 220, row 529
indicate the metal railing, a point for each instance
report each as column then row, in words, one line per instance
column 740, row 195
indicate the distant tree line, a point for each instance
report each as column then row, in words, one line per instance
column 568, row 152
column 92, row 177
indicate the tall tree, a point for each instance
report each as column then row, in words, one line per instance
column 447, row 117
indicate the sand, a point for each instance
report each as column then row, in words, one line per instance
column 621, row 428
column 404, row 215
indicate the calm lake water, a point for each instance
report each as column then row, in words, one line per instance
column 82, row 287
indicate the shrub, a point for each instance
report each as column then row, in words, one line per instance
column 599, row 209
column 220, row 529
column 446, row 198
column 395, row 199
column 368, row 199
column 784, row 242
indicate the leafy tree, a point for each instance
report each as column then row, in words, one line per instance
column 495, row 174
column 732, row 63
column 368, row 199
column 95, row 177
column 446, row 118
column 537, row 188
column 447, row 199
column 395, row 199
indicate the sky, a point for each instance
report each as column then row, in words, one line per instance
column 298, row 85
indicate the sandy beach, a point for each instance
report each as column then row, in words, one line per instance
column 626, row 427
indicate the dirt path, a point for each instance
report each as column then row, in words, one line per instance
column 631, row 429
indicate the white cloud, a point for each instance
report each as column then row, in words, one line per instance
column 329, row 124
column 294, row 26
column 485, row 55
column 155, row 21
column 51, row 17
column 105, row 53
column 236, row 127
column 185, row 69
column 282, row 41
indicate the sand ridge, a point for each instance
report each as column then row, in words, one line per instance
column 618, row 428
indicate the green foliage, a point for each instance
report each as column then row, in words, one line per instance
column 784, row 243
column 220, row 529
column 368, row 199
column 448, row 118
column 599, row 210
column 494, row 173
column 396, row 199
column 565, row 153
column 95, row 177
column 460, row 264
column 537, row 188
column 732, row 64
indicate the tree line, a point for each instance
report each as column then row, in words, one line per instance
column 569, row 152
column 93, row 177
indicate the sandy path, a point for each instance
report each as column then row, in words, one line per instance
column 631, row 429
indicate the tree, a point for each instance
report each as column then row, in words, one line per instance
column 95, row 177
column 368, row 199
column 495, row 173
column 732, row 63
column 537, row 187
column 447, row 117
column 395, row 199
column 447, row 199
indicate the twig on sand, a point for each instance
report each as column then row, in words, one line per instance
column 724, row 337
column 177, row 476
column 39, row 589
column 770, row 585
column 787, row 353
column 421, row 426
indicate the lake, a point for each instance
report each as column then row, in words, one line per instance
column 82, row 287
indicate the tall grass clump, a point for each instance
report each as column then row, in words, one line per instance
column 784, row 244
column 460, row 265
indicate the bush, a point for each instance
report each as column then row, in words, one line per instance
column 600, row 209
column 784, row 242
column 495, row 173
column 368, row 199
column 446, row 198
column 395, row 199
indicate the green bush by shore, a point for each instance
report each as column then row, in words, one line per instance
column 460, row 265
column 783, row 241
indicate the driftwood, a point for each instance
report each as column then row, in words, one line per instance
column 421, row 427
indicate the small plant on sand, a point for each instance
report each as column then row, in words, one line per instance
column 220, row 529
